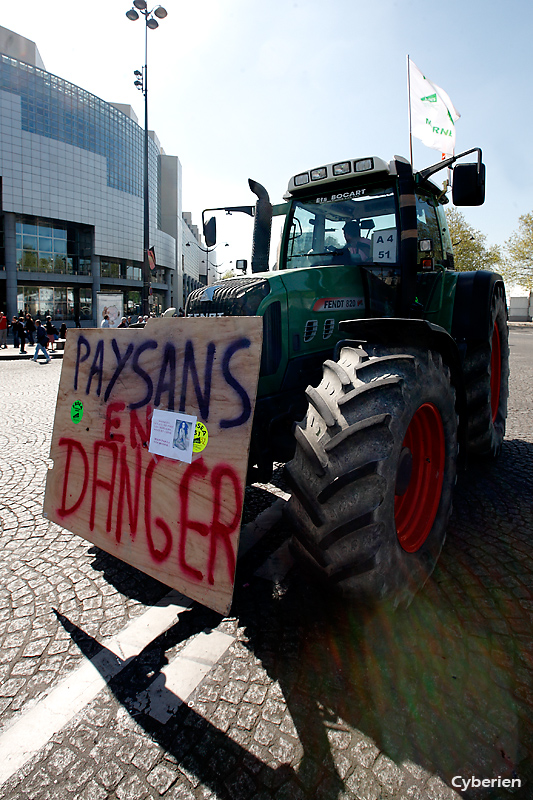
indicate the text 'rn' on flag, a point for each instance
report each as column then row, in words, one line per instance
column 432, row 113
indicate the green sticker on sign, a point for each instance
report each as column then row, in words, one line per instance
column 200, row 438
column 76, row 411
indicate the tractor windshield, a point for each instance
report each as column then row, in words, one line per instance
column 355, row 226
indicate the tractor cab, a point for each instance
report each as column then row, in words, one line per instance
column 354, row 223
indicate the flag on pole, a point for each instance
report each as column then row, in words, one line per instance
column 432, row 113
column 151, row 257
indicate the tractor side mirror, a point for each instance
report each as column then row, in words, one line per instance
column 210, row 232
column 468, row 185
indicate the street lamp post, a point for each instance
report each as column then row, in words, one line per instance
column 141, row 82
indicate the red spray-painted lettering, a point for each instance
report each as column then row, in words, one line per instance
column 119, row 481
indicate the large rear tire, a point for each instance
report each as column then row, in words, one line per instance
column 374, row 470
column 486, row 374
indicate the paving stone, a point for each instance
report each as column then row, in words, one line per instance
column 437, row 790
column 273, row 711
column 388, row 774
column 93, row 791
column 223, row 716
column 256, row 694
column 183, row 791
column 131, row 788
column 146, row 756
column 284, row 750
column 234, row 691
column 363, row 784
column 110, row 775
column 78, row 777
column 161, row 777
column 247, row 716
column 263, row 734
column 241, row 787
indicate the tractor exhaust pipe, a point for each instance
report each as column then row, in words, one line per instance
column 262, row 228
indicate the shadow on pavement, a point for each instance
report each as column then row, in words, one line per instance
column 199, row 747
column 444, row 686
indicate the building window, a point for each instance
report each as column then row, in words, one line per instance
column 119, row 269
column 2, row 247
column 56, row 109
column 157, row 304
column 48, row 247
column 132, row 303
column 134, row 273
column 58, row 302
column 109, row 269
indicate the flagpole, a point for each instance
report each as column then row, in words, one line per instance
column 409, row 107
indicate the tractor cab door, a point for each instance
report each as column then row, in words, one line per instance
column 340, row 260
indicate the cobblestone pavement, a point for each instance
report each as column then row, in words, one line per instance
column 313, row 698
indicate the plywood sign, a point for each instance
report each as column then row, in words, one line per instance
column 150, row 446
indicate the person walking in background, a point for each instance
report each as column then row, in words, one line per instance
column 52, row 332
column 30, row 328
column 21, row 330
column 105, row 322
column 63, row 331
column 42, row 341
column 15, row 329
column 3, row 330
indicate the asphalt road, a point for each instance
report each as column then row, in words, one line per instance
column 111, row 688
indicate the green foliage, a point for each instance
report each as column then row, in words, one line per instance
column 519, row 249
column 469, row 249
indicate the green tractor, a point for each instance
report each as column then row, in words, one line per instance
column 396, row 365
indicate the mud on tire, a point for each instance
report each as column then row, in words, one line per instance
column 374, row 471
column 486, row 375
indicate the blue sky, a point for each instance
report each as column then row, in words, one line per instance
column 243, row 89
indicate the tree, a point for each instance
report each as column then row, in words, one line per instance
column 469, row 249
column 520, row 252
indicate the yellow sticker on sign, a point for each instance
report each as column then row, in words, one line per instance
column 200, row 438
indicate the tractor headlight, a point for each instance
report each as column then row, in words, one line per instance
column 364, row 165
column 319, row 174
column 343, row 168
column 301, row 179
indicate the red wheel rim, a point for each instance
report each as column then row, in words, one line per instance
column 495, row 372
column 415, row 510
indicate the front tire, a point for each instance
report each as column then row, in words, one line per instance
column 374, row 470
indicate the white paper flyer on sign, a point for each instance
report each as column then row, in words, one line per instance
column 172, row 435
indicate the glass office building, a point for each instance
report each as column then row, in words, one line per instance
column 71, row 197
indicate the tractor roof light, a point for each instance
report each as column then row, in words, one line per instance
column 343, row 168
column 301, row 179
column 319, row 174
column 364, row 165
